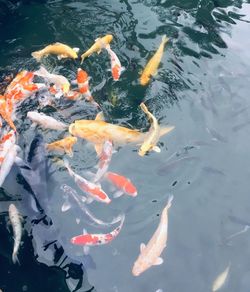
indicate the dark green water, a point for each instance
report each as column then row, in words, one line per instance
column 202, row 88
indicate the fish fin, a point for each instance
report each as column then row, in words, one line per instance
column 62, row 56
column 99, row 116
column 156, row 149
column 166, row 130
column 73, row 82
column 86, row 249
column 66, row 206
column 82, row 59
column 78, row 220
column 83, row 199
column 158, row 261
column 98, row 148
column 76, row 50
column 118, row 194
column 123, row 69
column 15, row 259
column 84, row 231
column 98, row 52
column 142, row 247
column 96, row 40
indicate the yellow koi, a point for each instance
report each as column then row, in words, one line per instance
column 59, row 49
column 100, row 43
column 63, row 145
column 153, row 64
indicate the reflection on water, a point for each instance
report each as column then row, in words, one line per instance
column 201, row 88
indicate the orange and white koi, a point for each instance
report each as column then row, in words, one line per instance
column 104, row 160
column 6, row 111
column 46, row 121
column 59, row 49
column 116, row 67
column 83, row 84
column 6, row 142
column 123, row 184
column 153, row 63
column 150, row 253
column 88, row 239
column 100, row 43
column 63, row 145
column 94, row 191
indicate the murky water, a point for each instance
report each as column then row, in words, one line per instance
column 202, row 88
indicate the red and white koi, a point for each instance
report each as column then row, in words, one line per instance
column 104, row 160
column 83, row 84
column 116, row 67
column 123, row 184
column 94, row 191
column 88, row 239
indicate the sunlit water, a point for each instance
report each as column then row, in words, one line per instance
column 202, row 88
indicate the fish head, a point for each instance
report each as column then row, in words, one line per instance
column 144, row 80
column 108, row 38
column 82, row 76
column 145, row 147
column 140, row 266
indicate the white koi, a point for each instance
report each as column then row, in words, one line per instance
column 221, row 279
column 15, row 219
column 46, row 121
column 150, row 253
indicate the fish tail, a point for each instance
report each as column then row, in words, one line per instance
column 165, row 39
column 66, row 164
column 37, row 55
column 82, row 58
column 144, row 108
column 169, row 202
column 15, row 258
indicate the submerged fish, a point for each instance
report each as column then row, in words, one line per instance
column 80, row 200
column 6, row 112
column 153, row 64
column 98, row 238
column 63, row 145
column 153, row 135
column 46, row 121
column 59, row 49
column 116, row 67
column 15, row 219
column 150, row 253
column 104, row 160
column 60, row 81
column 94, row 191
column 123, row 184
column 100, row 43
column 221, row 279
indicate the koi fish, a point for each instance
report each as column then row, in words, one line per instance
column 98, row 131
column 64, row 145
column 80, row 200
column 6, row 142
column 89, row 239
column 123, row 184
column 153, row 64
column 6, row 112
column 221, row 279
column 100, row 43
column 104, row 160
column 153, row 134
column 59, row 49
column 22, row 77
column 83, row 84
column 60, row 81
column 46, row 121
column 150, row 253
column 94, row 191
column 116, row 67
column 15, row 219
column 7, row 162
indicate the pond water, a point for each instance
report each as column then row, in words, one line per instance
column 201, row 88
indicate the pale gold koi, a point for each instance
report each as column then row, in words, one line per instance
column 63, row 145
column 153, row 63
